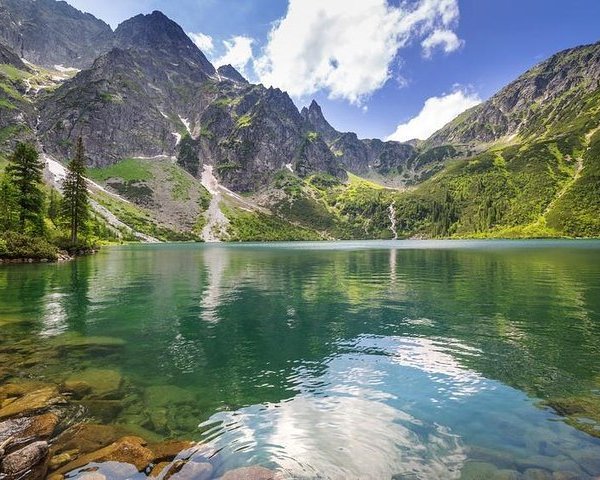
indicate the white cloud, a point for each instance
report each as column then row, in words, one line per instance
column 346, row 47
column 436, row 113
column 238, row 52
column 203, row 42
column 446, row 39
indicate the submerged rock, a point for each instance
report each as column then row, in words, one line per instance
column 30, row 462
column 194, row 471
column 131, row 450
column 32, row 402
column 167, row 395
column 101, row 381
column 251, row 473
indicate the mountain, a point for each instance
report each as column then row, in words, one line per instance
column 48, row 33
column 173, row 143
column 363, row 157
column 557, row 96
column 156, row 94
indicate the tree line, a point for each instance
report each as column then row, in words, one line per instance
column 29, row 210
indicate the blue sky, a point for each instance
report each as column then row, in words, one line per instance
column 379, row 68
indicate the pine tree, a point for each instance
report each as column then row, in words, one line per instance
column 9, row 206
column 54, row 206
column 75, row 204
column 25, row 172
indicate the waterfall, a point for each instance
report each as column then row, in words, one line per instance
column 392, row 216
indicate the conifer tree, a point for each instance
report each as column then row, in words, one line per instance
column 25, row 172
column 75, row 204
column 54, row 206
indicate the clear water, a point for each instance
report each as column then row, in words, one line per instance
column 336, row 360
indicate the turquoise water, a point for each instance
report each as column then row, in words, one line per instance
column 334, row 360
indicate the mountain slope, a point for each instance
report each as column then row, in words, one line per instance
column 364, row 157
column 558, row 96
column 48, row 33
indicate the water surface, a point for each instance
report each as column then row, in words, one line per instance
column 334, row 360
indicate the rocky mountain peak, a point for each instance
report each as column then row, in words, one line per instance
column 313, row 115
column 158, row 33
column 229, row 72
column 48, row 33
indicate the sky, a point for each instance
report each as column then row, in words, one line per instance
column 392, row 69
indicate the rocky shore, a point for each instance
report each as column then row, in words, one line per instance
column 91, row 423
column 40, row 437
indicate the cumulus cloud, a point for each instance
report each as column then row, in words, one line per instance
column 445, row 39
column 238, row 52
column 346, row 47
column 436, row 112
column 203, row 42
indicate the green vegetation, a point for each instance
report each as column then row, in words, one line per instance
column 255, row 226
column 35, row 220
column 244, row 121
column 129, row 169
column 75, row 204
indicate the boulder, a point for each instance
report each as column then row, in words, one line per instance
column 32, row 402
column 102, row 381
column 167, row 451
column 86, row 437
column 251, row 473
column 76, row 388
column 31, row 461
column 130, row 450
column 22, row 430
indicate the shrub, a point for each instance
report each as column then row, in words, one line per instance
column 18, row 245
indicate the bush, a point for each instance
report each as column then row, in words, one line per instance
column 18, row 245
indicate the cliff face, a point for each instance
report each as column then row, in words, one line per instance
column 360, row 156
column 157, row 90
column 49, row 33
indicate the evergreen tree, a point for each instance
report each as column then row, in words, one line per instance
column 75, row 202
column 25, row 171
column 54, row 207
column 9, row 206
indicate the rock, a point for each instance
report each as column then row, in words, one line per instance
column 564, row 476
column 130, row 450
column 537, row 474
column 74, row 340
column 61, row 459
column 23, row 430
column 101, row 381
column 167, row 451
column 251, row 473
column 77, row 388
column 195, row 471
column 506, row 474
column 167, row 395
column 158, row 469
column 104, row 411
column 56, row 476
column 32, row 402
column 31, row 460
column 476, row 470
column 86, row 437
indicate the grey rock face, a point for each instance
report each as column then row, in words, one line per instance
column 9, row 57
column 231, row 73
column 47, row 32
column 359, row 156
column 161, row 36
column 528, row 106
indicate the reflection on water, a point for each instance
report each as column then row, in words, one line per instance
column 351, row 360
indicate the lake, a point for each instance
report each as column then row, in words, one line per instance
column 370, row 360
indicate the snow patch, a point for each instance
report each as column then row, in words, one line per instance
column 163, row 114
column 62, row 68
column 289, row 167
column 187, row 124
column 177, row 137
